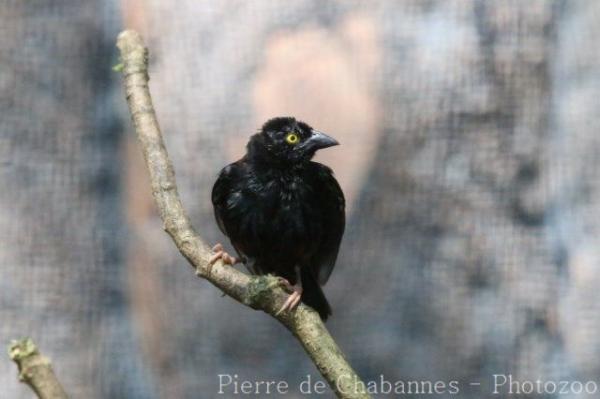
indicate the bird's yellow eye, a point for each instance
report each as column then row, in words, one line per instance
column 292, row 138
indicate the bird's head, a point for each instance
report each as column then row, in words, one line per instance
column 285, row 140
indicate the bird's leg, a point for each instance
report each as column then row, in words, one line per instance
column 219, row 253
column 295, row 292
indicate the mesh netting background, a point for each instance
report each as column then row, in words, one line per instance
column 470, row 159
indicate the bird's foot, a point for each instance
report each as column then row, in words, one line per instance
column 294, row 298
column 219, row 253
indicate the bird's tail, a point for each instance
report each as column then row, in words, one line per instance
column 312, row 294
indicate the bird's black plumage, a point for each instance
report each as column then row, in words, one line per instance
column 284, row 213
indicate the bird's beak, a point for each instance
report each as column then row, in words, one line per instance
column 319, row 140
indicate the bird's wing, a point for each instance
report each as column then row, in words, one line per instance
column 221, row 192
column 231, row 206
column 334, row 217
column 229, row 202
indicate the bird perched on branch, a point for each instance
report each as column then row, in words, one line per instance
column 283, row 213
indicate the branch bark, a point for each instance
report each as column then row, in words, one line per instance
column 258, row 292
column 35, row 370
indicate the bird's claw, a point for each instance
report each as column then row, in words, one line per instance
column 295, row 295
column 282, row 282
column 219, row 253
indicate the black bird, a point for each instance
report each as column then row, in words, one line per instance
column 283, row 213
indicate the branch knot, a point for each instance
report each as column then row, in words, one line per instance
column 260, row 291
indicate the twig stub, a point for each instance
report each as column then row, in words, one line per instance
column 35, row 370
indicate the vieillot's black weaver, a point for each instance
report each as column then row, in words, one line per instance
column 283, row 213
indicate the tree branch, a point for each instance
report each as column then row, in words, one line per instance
column 35, row 370
column 258, row 292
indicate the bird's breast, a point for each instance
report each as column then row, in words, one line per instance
column 289, row 210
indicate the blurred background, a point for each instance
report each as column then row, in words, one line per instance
column 469, row 157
